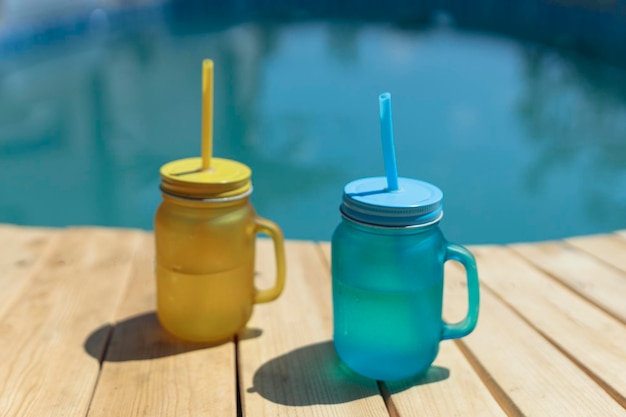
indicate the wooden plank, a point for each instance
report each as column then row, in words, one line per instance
column 584, row 274
column 609, row 248
column 149, row 373
column 45, row 369
column 586, row 334
column 451, row 387
column 22, row 254
column 458, row 392
column 287, row 362
column 528, row 375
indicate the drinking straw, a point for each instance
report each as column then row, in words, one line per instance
column 207, row 113
column 386, row 133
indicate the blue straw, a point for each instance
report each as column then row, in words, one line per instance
column 386, row 133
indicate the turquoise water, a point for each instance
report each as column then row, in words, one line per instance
column 527, row 142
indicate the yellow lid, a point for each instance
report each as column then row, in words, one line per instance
column 225, row 178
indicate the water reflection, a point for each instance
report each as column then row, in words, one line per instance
column 526, row 143
column 574, row 112
column 88, row 131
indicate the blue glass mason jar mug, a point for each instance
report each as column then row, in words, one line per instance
column 387, row 276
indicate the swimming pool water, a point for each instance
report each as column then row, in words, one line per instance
column 526, row 142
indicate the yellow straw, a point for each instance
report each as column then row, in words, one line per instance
column 207, row 113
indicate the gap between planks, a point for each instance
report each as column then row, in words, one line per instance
column 289, row 367
column 45, row 361
column 607, row 248
column 579, row 329
column 501, row 395
column 591, row 278
column 536, row 378
column 148, row 372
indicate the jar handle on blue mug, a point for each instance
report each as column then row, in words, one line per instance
column 458, row 253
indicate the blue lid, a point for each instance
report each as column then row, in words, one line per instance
column 416, row 203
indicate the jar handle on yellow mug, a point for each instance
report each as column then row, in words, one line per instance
column 272, row 230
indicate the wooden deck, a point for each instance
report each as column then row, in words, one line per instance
column 79, row 337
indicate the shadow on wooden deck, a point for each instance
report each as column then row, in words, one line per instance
column 291, row 379
column 142, row 338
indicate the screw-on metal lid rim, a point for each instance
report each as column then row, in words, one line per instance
column 210, row 200
column 431, row 222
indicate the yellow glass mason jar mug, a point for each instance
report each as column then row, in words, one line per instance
column 205, row 231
